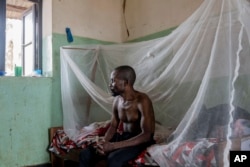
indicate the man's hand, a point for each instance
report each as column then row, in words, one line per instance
column 104, row 147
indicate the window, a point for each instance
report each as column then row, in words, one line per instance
column 22, row 36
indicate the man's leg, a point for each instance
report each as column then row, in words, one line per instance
column 85, row 157
column 120, row 157
column 88, row 157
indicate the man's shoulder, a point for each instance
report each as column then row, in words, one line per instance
column 116, row 98
column 143, row 96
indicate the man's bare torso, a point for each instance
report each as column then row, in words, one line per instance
column 129, row 113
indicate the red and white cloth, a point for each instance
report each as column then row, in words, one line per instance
column 191, row 153
column 88, row 135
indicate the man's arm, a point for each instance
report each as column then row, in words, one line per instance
column 110, row 132
column 113, row 123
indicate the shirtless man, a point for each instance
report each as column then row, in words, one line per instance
column 134, row 110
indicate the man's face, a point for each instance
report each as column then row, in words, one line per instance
column 116, row 85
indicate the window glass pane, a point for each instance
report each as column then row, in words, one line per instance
column 28, row 59
column 13, row 45
column 28, row 46
column 28, row 28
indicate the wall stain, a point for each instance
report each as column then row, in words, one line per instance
column 10, row 133
column 24, row 88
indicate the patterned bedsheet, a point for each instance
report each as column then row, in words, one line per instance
column 199, row 153
column 61, row 143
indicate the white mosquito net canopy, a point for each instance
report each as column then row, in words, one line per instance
column 198, row 77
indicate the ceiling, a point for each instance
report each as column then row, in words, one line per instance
column 15, row 8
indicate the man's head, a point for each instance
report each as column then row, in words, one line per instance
column 120, row 77
column 126, row 73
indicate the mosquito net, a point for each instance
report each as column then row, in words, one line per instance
column 198, row 77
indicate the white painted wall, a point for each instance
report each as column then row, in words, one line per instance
column 144, row 17
column 106, row 20
column 47, row 18
column 98, row 19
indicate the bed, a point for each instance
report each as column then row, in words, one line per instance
column 61, row 148
column 71, row 152
column 204, row 150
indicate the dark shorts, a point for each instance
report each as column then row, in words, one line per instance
column 126, row 135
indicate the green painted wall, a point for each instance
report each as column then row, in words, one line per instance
column 25, row 117
column 155, row 35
